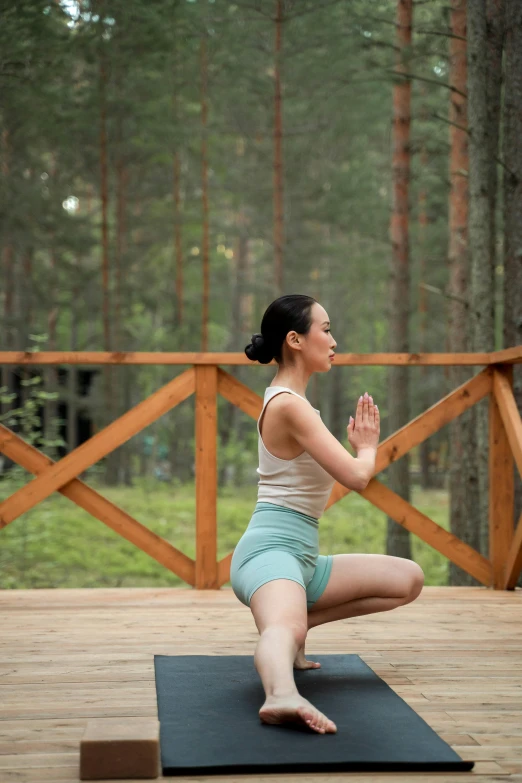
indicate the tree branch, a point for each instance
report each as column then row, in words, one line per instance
column 447, row 295
column 425, row 79
column 446, row 35
column 449, row 122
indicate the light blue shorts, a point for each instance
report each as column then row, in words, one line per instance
column 279, row 543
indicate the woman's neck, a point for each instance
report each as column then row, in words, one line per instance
column 297, row 384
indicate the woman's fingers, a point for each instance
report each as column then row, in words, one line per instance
column 366, row 405
column 358, row 412
column 367, row 412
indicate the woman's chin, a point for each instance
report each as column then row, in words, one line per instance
column 324, row 366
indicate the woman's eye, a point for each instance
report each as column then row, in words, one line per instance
column 327, row 330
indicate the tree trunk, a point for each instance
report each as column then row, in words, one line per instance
column 464, row 511
column 278, row 155
column 7, row 375
column 424, row 447
column 72, row 371
column 228, row 422
column 121, row 228
column 246, row 313
column 512, row 156
column 7, row 379
column 25, row 309
column 204, row 191
column 482, row 313
column 495, row 39
column 111, row 474
column 178, row 245
column 104, row 203
column 176, row 198
column 398, row 538
column 127, row 474
column 50, row 374
column 337, row 406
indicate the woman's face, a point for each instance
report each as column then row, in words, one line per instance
column 318, row 345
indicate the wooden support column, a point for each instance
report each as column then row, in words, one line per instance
column 501, row 488
column 206, row 477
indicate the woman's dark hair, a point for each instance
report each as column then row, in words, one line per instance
column 286, row 314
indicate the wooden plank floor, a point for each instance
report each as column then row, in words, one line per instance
column 454, row 655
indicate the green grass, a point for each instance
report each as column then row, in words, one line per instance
column 57, row 544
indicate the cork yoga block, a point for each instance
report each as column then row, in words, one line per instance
column 120, row 748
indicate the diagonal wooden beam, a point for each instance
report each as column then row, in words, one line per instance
column 507, row 406
column 118, row 520
column 424, row 425
column 425, row 528
column 514, row 560
column 418, row 523
column 239, row 394
column 119, row 431
column 394, row 447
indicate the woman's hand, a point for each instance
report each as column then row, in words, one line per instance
column 364, row 430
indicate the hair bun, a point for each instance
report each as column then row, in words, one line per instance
column 258, row 351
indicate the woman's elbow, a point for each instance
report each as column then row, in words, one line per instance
column 357, row 483
column 363, row 483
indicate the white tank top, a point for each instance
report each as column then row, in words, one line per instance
column 299, row 483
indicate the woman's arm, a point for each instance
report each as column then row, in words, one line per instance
column 303, row 424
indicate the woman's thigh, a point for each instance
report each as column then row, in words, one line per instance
column 249, row 574
column 365, row 575
column 280, row 602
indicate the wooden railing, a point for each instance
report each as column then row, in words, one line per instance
column 207, row 379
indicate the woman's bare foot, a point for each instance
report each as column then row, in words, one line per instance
column 295, row 709
column 302, row 663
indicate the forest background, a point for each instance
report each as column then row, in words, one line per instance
column 168, row 168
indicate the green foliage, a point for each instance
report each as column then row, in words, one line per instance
column 60, row 545
column 336, row 62
column 26, row 420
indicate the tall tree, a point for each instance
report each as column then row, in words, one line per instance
column 482, row 156
column 423, row 221
column 278, row 152
column 495, row 10
column 464, row 508
column 398, row 538
column 512, row 158
column 204, row 185
column 6, row 249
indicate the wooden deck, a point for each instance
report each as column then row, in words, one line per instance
column 454, row 655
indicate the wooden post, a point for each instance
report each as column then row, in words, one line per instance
column 501, row 488
column 206, row 477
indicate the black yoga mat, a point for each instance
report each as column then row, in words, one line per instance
column 209, row 723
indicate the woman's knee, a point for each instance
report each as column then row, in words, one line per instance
column 294, row 630
column 281, row 603
column 414, row 581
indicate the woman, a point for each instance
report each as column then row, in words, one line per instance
column 276, row 569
